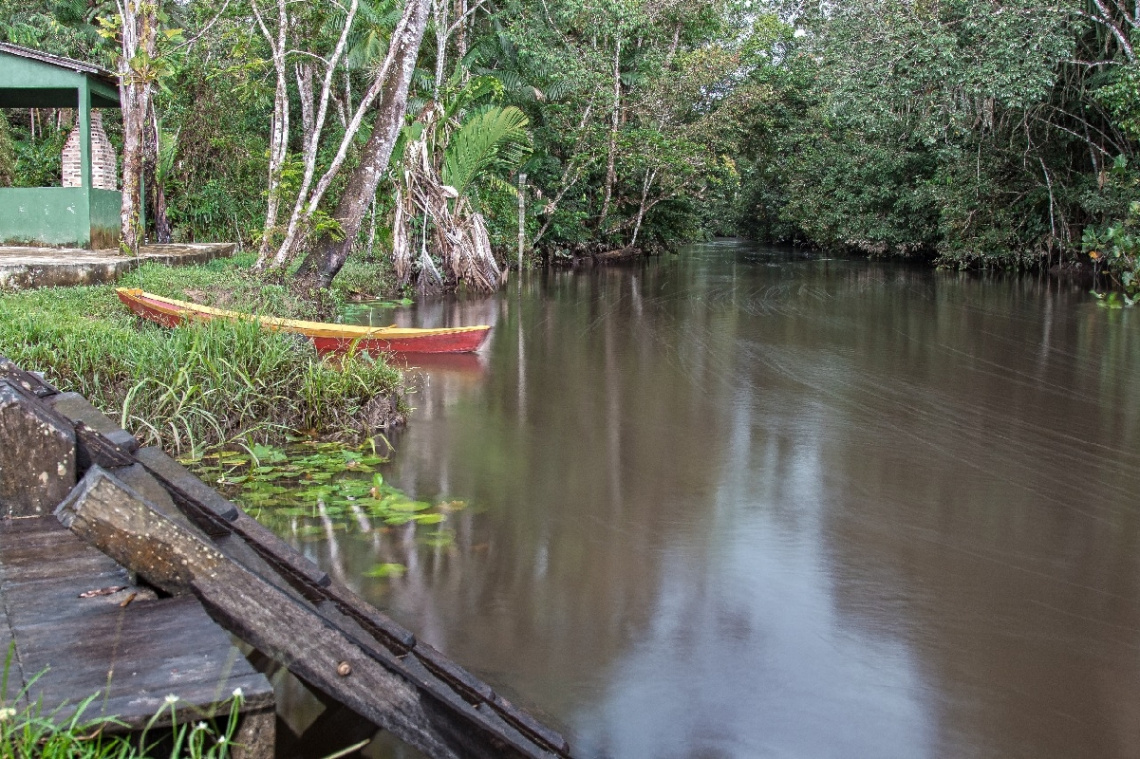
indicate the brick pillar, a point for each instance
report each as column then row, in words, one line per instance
column 104, row 161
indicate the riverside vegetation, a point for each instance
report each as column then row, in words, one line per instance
column 200, row 385
column 457, row 137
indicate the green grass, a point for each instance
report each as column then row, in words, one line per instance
column 28, row 732
column 196, row 386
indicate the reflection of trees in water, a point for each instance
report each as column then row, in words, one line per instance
column 844, row 495
column 983, row 509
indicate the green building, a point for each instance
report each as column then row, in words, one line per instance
column 87, row 213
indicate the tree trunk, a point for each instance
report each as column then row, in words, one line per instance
column 461, row 35
column 307, row 202
column 611, row 174
column 278, row 128
column 139, row 38
column 155, row 189
column 329, row 255
column 649, row 177
column 439, row 10
column 522, row 217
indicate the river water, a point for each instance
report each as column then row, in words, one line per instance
column 744, row 502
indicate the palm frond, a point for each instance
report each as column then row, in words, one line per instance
column 491, row 136
column 477, row 88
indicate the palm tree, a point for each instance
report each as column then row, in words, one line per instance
column 453, row 152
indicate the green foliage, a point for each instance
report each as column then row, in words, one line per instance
column 490, row 137
column 39, row 161
column 7, row 153
column 198, row 385
column 957, row 131
column 61, row 27
column 318, row 482
column 215, row 158
column 1116, row 246
column 966, row 133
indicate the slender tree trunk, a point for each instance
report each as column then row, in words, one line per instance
column 649, row 177
column 461, row 34
column 329, row 255
column 307, row 202
column 278, row 129
column 611, row 175
column 439, row 10
column 673, row 46
column 304, row 72
column 139, row 44
column 156, row 191
column 522, row 217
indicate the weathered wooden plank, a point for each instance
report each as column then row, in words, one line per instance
column 133, row 657
column 93, row 448
column 27, row 569
column 137, row 709
column 181, row 483
column 46, row 523
column 29, row 382
column 42, row 548
column 376, row 684
column 341, row 607
column 37, row 454
column 55, row 601
column 80, row 411
column 394, row 637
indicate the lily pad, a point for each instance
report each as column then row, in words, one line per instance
column 386, row 570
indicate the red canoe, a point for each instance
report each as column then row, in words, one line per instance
column 327, row 338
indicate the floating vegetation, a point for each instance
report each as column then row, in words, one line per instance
column 312, row 487
column 386, row 570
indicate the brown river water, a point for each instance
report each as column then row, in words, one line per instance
column 744, row 502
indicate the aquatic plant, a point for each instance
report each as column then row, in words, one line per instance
column 318, row 484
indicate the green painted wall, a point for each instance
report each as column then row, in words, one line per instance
column 70, row 216
column 106, row 215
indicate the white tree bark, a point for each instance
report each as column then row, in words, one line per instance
column 305, row 205
column 139, row 44
column 279, row 127
column 615, row 121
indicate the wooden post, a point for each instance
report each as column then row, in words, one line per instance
column 37, row 453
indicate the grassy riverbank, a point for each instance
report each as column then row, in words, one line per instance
column 200, row 385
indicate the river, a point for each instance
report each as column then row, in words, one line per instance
column 746, row 502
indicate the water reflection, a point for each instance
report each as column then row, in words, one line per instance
column 748, row 503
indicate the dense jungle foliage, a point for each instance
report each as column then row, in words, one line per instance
column 998, row 134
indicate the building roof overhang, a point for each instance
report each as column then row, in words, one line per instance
column 35, row 79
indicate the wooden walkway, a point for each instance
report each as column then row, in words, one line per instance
column 130, row 657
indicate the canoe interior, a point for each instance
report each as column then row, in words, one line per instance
column 327, row 338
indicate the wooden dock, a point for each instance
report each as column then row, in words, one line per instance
column 130, row 657
column 80, row 495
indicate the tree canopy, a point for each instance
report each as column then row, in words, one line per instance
column 999, row 134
